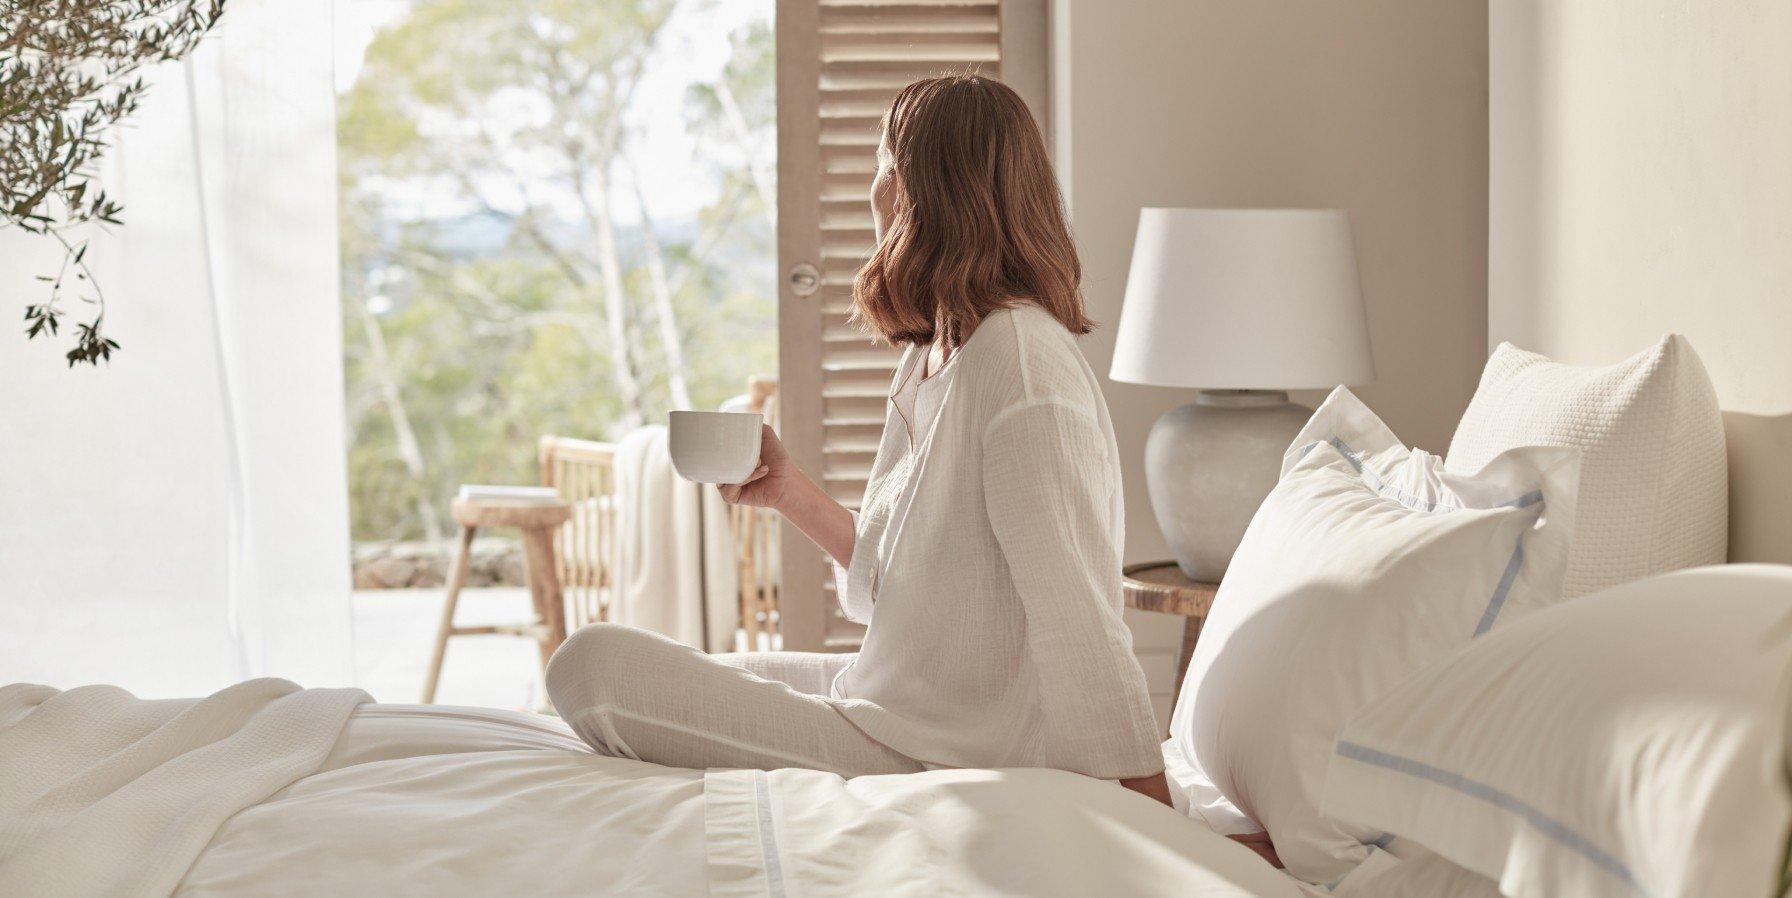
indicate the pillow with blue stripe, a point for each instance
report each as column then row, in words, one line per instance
column 1631, row 743
column 1367, row 562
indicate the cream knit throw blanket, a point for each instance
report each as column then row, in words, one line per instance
column 103, row 793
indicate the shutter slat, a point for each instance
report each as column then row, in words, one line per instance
column 839, row 388
column 911, row 7
column 889, row 77
column 844, row 104
column 838, row 409
column 843, row 357
column 848, row 420
column 844, row 112
column 894, row 21
column 846, row 444
column 865, row 138
column 854, row 250
column 902, row 48
column 855, row 219
column 860, row 162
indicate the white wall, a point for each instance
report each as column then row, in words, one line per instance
column 1641, row 177
column 1377, row 107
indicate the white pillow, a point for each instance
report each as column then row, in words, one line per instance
column 1653, row 481
column 1367, row 562
column 1627, row 743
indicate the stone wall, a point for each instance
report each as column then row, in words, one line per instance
column 423, row 565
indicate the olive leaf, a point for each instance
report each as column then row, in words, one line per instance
column 70, row 70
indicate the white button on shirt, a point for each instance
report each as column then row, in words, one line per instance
column 988, row 546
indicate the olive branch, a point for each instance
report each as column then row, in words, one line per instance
column 71, row 70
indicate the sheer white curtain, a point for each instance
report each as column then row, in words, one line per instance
column 178, row 520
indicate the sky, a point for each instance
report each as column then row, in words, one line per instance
column 692, row 49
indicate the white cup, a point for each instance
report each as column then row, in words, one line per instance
column 715, row 447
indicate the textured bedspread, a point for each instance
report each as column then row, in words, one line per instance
column 441, row 801
column 102, row 793
column 460, row 801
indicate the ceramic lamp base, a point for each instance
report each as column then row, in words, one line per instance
column 1209, row 464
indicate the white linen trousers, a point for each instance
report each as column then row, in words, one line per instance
column 986, row 563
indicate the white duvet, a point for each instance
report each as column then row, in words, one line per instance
column 413, row 800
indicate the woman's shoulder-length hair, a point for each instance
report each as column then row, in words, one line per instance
column 979, row 223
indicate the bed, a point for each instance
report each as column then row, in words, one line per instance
column 429, row 800
column 445, row 801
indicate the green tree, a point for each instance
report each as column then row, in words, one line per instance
column 737, row 114
column 490, row 295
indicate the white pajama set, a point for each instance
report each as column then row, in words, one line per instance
column 986, row 563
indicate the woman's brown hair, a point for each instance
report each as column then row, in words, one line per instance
column 979, row 225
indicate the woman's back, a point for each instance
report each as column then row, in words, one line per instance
column 1010, row 509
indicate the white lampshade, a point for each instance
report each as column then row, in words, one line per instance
column 1252, row 299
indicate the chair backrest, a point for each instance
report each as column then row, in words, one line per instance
column 584, row 473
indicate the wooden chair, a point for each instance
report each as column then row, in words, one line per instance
column 537, row 523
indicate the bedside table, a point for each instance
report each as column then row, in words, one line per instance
column 1161, row 586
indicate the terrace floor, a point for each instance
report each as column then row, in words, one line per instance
column 395, row 629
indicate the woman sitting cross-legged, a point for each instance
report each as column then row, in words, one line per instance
column 985, row 556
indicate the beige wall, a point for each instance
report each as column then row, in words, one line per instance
column 1641, row 174
column 1373, row 106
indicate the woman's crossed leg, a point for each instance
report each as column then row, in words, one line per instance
column 632, row 693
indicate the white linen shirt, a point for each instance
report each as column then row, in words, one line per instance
column 987, row 563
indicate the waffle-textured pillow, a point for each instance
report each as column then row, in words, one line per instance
column 1365, row 563
column 1654, row 485
column 1627, row 744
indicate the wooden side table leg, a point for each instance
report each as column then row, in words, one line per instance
column 457, row 578
column 1191, row 632
column 544, row 589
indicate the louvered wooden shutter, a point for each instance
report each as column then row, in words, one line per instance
column 840, row 62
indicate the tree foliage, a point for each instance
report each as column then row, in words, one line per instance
column 494, row 288
column 71, row 70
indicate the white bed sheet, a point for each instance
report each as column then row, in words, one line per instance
column 445, row 801
column 419, row 800
column 964, row 832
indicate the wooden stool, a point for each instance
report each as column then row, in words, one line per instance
column 537, row 521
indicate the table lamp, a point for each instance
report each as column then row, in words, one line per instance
column 1240, row 305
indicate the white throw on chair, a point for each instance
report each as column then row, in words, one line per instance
column 674, row 549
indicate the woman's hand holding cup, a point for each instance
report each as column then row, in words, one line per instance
column 768, row 484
